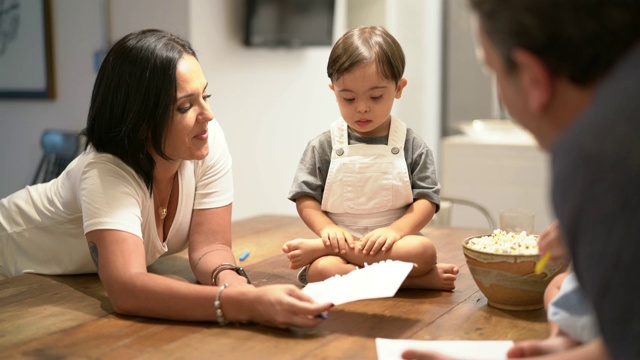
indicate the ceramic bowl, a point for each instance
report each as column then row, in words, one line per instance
column 509, row 281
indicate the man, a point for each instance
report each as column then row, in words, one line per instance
column 569, row 72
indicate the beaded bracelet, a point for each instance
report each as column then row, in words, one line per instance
column 218, row 305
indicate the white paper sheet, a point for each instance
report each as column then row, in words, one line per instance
column 391, row 349
column 378, row 280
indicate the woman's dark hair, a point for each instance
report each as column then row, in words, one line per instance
column 576, row 39
column 363, row 45
column 133, row 98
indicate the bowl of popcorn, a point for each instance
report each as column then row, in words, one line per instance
column 503, row 266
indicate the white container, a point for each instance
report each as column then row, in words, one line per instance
column 497, row 175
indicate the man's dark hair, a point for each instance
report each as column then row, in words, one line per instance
column 576, row 39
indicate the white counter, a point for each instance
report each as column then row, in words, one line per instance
column 497, row 175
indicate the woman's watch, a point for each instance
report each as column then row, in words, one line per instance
column 227, row 266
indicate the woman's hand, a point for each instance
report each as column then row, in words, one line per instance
column 281, row 306
column 412, row 354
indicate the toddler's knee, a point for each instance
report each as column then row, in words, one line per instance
column 426, row 253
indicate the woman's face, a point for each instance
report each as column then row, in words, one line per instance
column 186, row 137
column 365, row 100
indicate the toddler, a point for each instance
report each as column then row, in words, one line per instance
column 368, row 185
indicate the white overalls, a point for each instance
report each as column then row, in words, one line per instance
column 367, row 186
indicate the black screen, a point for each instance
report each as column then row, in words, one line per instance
column 289, row 23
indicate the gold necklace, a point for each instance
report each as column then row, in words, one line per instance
column 162, row 210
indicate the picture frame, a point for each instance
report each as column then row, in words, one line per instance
column 26, row 50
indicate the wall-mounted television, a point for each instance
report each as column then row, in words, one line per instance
column 289, row 23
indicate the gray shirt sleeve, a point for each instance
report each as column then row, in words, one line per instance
column 422, row 169
column 313, row 167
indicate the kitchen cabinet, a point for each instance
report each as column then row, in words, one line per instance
column 496, row 174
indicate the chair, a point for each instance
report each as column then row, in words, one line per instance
column 59, row 149
column 447, row 204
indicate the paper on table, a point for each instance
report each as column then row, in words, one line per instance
column 378, row 280
column 457, row 349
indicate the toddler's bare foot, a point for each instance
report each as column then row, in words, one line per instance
column 301, row 252
column 441, row 277
column 530, row 348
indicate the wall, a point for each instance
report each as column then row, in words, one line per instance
column 417, row 24
column 125, row 16
column 466, row 91
column 270, row 102
column 77, row 35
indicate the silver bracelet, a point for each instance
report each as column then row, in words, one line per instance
column 217, row 304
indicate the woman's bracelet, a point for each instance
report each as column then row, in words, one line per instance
column 218, row 305
column 227, row 266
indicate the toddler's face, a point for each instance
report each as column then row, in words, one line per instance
column 365, row 99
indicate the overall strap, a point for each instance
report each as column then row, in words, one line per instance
column 397, row 133
column 339, row 134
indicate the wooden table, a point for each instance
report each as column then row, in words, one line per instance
column 71, row 316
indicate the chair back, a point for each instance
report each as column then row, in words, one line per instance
column 59, row 148
column 447, row 204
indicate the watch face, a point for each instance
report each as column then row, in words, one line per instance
column 243, row 273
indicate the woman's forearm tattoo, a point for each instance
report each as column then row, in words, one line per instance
column 205, row 254
column 93, row 249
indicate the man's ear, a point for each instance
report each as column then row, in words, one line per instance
column 535, row 79
column 331, row 86
column 401, row 84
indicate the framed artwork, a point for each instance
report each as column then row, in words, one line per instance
column 26, row 49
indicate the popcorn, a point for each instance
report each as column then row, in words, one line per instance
column 502, row 242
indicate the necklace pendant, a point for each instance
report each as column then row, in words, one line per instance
column 163, row 212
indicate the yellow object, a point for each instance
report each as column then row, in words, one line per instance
column 542, row 263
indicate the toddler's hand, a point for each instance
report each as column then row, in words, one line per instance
column 379, row 239
column 337, row 238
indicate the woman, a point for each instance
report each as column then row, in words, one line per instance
column 155, row 178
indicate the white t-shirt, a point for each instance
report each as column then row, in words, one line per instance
column 43, row 227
